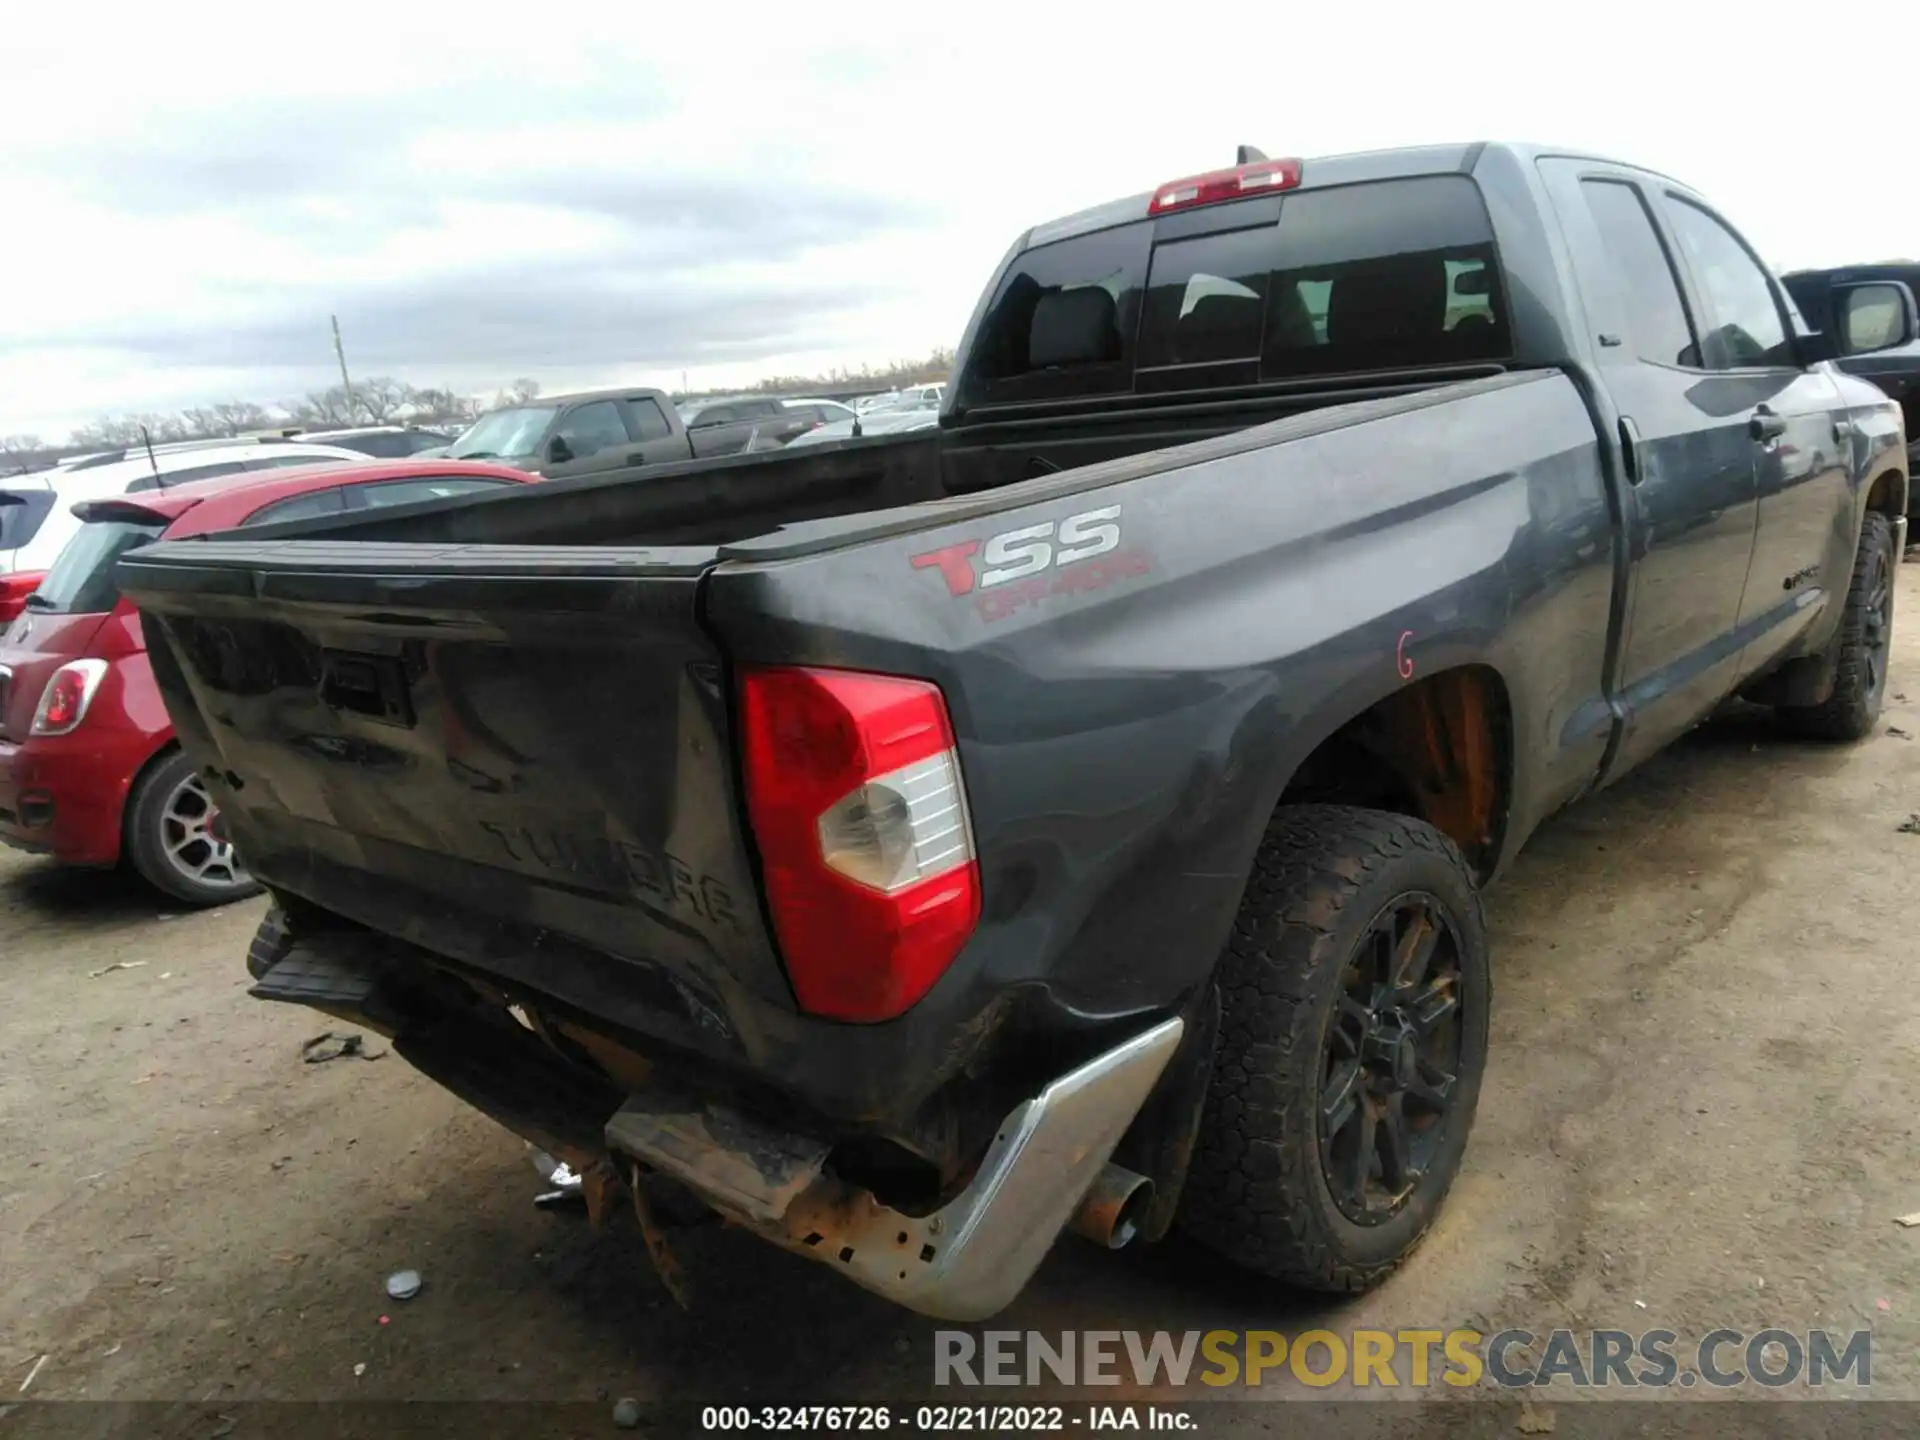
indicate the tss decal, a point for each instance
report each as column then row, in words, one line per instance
column 1025, row 554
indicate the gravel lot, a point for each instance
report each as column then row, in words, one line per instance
column 1700, row 1112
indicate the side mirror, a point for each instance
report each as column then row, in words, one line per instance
column 558, row 451
column 1877, row 315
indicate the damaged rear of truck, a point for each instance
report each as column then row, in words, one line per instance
column 916, row 847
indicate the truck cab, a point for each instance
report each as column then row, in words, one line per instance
column 598, row 432
column 1869, row 310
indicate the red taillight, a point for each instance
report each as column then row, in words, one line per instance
column 14, row 590
column 854, row 790
column 63, row 704
column 1217, row 185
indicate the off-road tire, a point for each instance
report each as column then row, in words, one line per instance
column 145, row 842
column 1257, row 1193
column 1852, row 710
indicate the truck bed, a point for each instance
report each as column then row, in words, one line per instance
column 521, row 757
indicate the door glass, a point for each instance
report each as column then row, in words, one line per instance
column 648, row 422
column 1640, row 277
column 592, row 428
column 1744, row 327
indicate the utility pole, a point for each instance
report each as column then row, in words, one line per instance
column 340, row 354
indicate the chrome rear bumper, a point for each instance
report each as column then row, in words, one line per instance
column 965, row 1261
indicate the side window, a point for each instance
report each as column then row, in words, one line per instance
column 1641, row 278
column 1745, row 328
column 388, row 446
column 183, row 476
column 591, row 428
column 288, row 462
column 298, row 507
column 759, row 409
column 412, row 492
column 646, row 419
column 1205, row 298
column 714, row 415
column 418, row 440
column 1393, row 274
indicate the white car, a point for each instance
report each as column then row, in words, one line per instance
column 882, row 422
column 36, row 511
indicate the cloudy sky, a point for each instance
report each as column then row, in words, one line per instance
column 607, row 194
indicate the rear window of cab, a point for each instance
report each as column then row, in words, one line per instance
column 1385, row 275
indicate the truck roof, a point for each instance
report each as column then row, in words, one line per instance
column 614, row 392
column 1318, row 171
column 1907, row 270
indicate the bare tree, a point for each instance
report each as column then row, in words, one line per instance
column 380, row 397
column 22, row 452
column 237, row 417
column 439, row 405
column 328, row 409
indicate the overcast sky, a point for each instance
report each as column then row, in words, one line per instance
column 607, row 195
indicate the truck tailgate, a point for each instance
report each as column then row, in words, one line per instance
column 509, row 754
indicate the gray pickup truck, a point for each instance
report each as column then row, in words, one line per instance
column 1074, row 816
column 616, row 434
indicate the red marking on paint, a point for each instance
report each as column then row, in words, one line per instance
column 953, row 565
column 1403, row 662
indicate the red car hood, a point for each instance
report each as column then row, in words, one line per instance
column 33, row 647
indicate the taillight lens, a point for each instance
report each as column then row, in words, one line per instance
column 858, row 805
column 63, row 704
column 14, row 590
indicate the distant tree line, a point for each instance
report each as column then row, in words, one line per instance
column 383, row 400
column 376, row 400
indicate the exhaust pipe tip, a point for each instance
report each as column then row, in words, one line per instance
column 1112, row 1213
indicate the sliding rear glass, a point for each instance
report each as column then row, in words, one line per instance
column 1387, row 275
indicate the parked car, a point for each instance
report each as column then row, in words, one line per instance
column 1866, row 308
column 89, row 771
column 1076, row 814
column 727, row 427
column 384, row 442
column 596, row 432
column 36, row 515
column 820, row 412
column 878, row 422
column 870, row 402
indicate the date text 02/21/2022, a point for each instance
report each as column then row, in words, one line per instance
column 948, row 1419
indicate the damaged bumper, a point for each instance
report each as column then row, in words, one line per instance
column 965, row 1261
column 1047, row 1167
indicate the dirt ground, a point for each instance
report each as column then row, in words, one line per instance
column 1700, row 1112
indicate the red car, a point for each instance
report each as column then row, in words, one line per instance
column 89, row 772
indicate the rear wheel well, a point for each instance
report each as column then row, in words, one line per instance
column 1888, row 495
column 1438, row 749
column 158, row 757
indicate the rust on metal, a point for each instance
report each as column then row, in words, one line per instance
column 1442, row 736
column 748, row 1168
column 665, row 1262
column 600, row 1185
column 1110, row 1214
